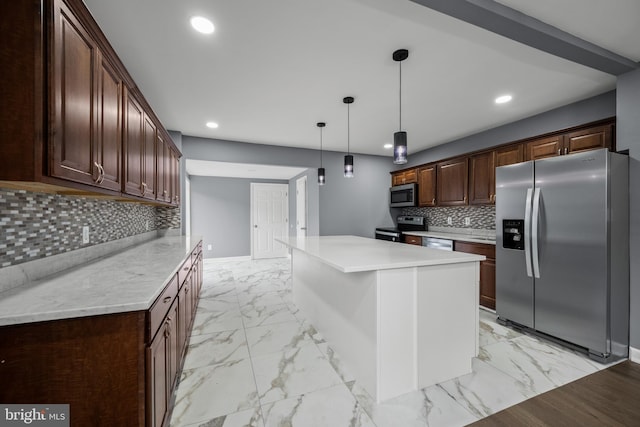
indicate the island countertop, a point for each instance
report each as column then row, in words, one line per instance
column 350, row 254
column 130, row 280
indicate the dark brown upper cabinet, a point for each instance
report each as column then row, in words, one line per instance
column 544, row 147
column 589, row 139
column 427, row 189
column 70, row 123
column 452, row 180
column 408, row 176
column 509, row 155
column 482, row 178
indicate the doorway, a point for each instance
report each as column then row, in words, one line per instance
column 301, row 206
column 269, row 220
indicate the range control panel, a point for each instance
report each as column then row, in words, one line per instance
column 513, row 234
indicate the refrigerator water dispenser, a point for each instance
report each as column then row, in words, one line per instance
column 513, row 234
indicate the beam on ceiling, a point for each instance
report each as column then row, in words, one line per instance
column 515, row 25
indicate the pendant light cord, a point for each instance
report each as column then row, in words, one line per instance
column 400, row 109
column 348, row 130
column 320, row 147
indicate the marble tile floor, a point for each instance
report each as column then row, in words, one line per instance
column 253, row 360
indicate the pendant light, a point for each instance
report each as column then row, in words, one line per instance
column 400, row 137
column 348, row 159
column 321, row 176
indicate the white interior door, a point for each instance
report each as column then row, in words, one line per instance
column 301, row 206
column 270, row 219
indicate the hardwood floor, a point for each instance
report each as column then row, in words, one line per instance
column 610, row 397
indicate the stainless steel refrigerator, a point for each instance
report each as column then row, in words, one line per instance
column 562, row 249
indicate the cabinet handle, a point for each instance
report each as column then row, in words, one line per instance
column 100, row 177
column 166, row 299
column 144, row 188
column 465, row 199
column 433, row 201
column 186, row 290
column 566, row 150
column 559, row 152
column 185, row 269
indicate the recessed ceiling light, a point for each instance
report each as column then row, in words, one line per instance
column 388, row 146
column 503, row 99
column 212, row 125
column 202, row 25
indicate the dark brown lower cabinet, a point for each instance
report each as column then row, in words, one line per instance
column 413, row 240
column 113, row 370
column 487, row 270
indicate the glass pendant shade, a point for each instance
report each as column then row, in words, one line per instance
column 321, row 176
column 400, row 148
column 348, row 166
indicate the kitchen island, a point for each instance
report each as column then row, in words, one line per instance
column 401, row 317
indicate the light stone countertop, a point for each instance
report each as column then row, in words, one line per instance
column 454, row 236
column 128, row 280
column 351, row 254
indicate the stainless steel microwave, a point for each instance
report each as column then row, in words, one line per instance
column 401, row 196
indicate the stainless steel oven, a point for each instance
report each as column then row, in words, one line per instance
column 405, row 223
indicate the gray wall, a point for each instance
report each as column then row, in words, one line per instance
column 346, row 206
column 628, row 138
column 220, row 213
column 589, row 110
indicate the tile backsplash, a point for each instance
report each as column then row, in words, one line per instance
column 37, row 225
column 481, row 217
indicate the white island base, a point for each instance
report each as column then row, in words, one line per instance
column 396, row 329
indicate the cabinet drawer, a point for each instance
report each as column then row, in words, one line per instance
column 184, row 271
column 413, row 240
column 160, row 308
column 488, row 251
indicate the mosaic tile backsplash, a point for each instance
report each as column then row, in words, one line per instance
column 38, row 225
column 481, row 217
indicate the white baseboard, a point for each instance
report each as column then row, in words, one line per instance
column 231, row 258
column 634, row 354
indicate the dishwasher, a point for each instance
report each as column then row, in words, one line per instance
column 436, row 243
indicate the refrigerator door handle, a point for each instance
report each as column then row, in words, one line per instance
column 534, row 232
column 527, row 231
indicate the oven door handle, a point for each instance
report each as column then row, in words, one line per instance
column 387, row 233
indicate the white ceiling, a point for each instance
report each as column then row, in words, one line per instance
column 240, row 170
column 272, row 69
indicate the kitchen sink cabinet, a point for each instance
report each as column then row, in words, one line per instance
column 452, row 181
column 69, row 121
column 487, row 270
column 408, row 176
column 427, row 188
column 482, row 187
